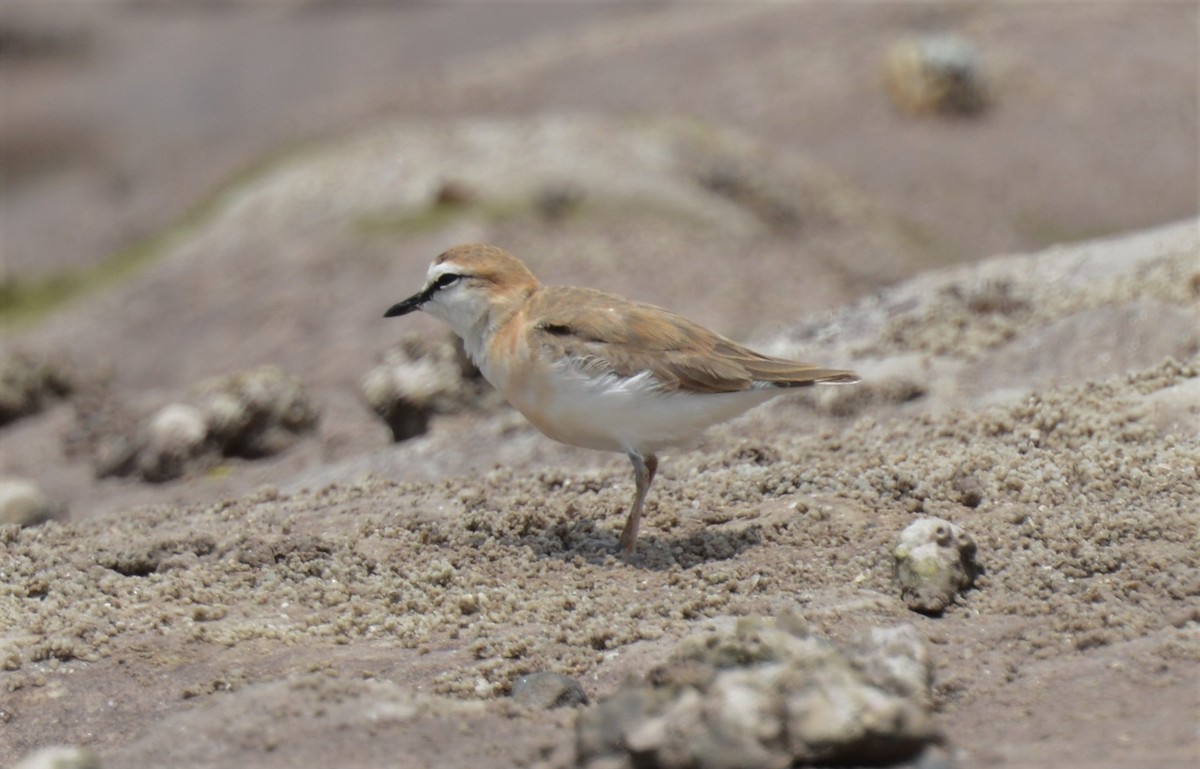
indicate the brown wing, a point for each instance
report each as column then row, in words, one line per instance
column 609, row 333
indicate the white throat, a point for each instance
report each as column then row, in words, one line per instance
column 467, row 319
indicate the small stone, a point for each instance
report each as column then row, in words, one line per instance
column 969, row 488
column 545, row 689
column 453, row 193
column 175, row 435
column 249, row 414
column 23, row 503
column 935, row 561
column 936, row 74
column 59, row 757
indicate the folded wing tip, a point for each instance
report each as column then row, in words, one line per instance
column 840, row 377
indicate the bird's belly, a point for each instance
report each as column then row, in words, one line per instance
column 609, row 413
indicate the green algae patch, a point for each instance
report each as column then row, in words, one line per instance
column 25, row 301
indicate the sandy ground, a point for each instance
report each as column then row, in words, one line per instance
column 351, row 601
column 365, row 618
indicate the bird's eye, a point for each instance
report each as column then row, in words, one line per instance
column 446, row 279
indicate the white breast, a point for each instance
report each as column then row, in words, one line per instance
column 611, row 413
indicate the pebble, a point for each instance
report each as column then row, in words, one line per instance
column 936, row 74
column 545, row 689
column 935, row 562
column 23, row 503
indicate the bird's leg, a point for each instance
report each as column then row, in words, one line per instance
column 644, row 468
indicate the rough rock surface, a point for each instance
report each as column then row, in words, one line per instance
column 1081, row 494
column 769, row 695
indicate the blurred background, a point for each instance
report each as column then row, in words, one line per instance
column 195, row 188
column 118, row 115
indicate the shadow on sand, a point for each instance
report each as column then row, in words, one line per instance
column 585, row 541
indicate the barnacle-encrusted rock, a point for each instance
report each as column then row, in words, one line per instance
column 257, row 413
column 771, row 695
column 415, row 380
column 251, row 414
column 935, row 561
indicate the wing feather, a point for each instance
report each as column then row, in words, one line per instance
column 606, row 333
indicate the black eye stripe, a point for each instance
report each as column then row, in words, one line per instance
column 445, row 279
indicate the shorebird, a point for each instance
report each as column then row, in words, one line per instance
column 597, row 370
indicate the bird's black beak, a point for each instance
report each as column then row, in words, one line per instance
column 411, row 304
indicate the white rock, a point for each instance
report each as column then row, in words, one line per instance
column 177, row 428
column 174, row 435
column 59, row 757
column 23, row 503
column 935, row 561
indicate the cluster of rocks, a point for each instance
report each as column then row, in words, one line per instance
column 771, row 694
column 251, row 414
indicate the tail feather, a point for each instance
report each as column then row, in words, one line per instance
column 782, row 373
